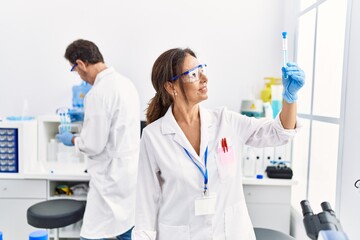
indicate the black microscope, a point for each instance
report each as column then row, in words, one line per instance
column 323, row 225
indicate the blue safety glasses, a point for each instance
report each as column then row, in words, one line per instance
column 73, row 67
column 192, row 75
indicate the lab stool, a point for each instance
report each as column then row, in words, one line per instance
column 269, row 234
column 54, row 214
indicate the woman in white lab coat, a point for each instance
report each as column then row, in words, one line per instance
column 190, row 177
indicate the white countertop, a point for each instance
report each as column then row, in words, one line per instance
column 268, row 181
column 85, row 177
column 49, row 176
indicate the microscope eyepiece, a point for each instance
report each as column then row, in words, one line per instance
column 306, row 209
column 325, row 206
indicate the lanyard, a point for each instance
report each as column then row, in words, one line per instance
column 204, row 173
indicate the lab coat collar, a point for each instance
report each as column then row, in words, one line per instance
column 102, row 74
column 170, row 126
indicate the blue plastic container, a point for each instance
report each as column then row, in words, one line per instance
column 276, row 106
column 78, row 94
column 39, row 235
column 1, row 235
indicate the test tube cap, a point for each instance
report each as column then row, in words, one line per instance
column 38, row 235
column 259, row 176
column 284, row 34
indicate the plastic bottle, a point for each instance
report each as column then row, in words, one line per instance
column 276, row 99
column 259, row 167
column 268, row 112
column 249, row 162
column 52, row 149
column 39, row 235
column 78, row 94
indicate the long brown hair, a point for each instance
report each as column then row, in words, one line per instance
column 166, row 66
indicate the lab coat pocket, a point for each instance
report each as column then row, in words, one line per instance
column 226, row 163
column 237, row 223
column 167, row 232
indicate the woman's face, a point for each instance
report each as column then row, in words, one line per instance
column 195, row 83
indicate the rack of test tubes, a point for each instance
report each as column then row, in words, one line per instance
column 9, row 161
column 65, row 123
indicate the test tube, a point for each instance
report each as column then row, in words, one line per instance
column 65, row 124
column 68, row 122
column 284, row 48
column 62, row 123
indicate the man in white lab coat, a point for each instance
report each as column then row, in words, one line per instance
column 110, row 140
column 190, row 177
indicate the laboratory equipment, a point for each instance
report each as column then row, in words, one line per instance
column 65, row 123
column 259, row 167
column 268, row 112
column 323, row 225
column 78, row 94
column 276, row 99
column 52, row 149
column 249, row 161
column 252, row 108
column 18, row 144
column 66, row 158
column 284, row 49
column 281, row 171
column 271, row 95
column 76, row 114
column 265, row 93
column 357, row 184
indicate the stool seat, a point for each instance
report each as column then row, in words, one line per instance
column 269, row 234
column 55, row 213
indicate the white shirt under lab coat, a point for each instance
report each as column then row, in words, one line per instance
column 169, row 182
column 110, row 140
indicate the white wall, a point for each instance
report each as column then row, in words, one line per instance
column 348, row 195
column 239, row 40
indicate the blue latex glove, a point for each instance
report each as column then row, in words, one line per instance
column 76, row 114
column 65, row 138
column 293, row 78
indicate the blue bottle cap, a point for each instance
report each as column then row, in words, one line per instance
column 259, row 176
column 38, row 235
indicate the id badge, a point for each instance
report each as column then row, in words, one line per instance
column 205, row 205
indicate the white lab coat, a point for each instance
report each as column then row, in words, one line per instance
column 169, row 182
column 110, row 140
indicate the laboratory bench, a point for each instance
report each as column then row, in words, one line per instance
column 20, row 191
column 268, row 201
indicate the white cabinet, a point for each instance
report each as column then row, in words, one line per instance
column 269, row 206
column 73, row 230
column 16, row 196
column 65, row 160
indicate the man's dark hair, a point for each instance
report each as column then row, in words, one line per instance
column 83, row 50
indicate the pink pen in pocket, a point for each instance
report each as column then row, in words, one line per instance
column 226, row 162
column 226, row 152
